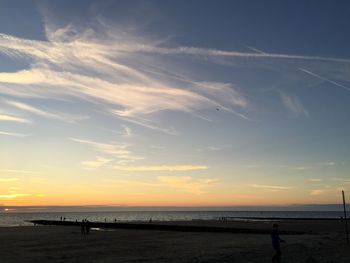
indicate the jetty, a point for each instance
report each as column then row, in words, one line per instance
column 169, row 226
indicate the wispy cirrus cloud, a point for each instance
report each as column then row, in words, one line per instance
column 302, row 168
column 326, row 163
column 18, row 171
column 12, row 196
column 341, row 179
column 14, row 134
column 45, row 113
column 147, row 124
column 100, row 161
column 183, row 184
column 187, row 183
column 318, row 191
column 109, row 148
column 127, row 131
column 6, row 180
column 118, row 152
column 271, row 187
column 315, row 179
column 123, row 156
column 126, row 74
column 12, row 118
column 293, row 105
column 297, row 167
column 83, row 64
column 170, row 168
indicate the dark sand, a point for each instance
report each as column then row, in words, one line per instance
column 65, row 244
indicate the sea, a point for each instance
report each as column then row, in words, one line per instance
column 10, row 217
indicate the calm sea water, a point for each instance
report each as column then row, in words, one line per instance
column 19, row 219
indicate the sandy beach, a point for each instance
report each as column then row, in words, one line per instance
column 326, row 243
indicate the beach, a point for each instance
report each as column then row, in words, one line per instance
column 324, row 241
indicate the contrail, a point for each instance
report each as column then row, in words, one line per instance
column 256, row 50
column 222, row 53
column 39, row 49
column 323, row 78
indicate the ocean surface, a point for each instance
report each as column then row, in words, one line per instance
column 21, row 219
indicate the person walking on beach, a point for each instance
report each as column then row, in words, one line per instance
column 82, row 227
column 276, row 240
column 87, row 227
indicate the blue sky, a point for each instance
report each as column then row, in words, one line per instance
column 174, row 103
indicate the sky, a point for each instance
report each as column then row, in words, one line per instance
column 174, row 103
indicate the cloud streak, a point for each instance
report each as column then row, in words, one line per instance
column 270, row 187
column 12, row 118
column 120, row 152
column 12, row 196
column 324, row 79
column 326, row 163
column 14, row 134
column 315, row 179
column 169, row 168
column 293, row 105
column 18, row 171
column 109, row 148
column 317, row 192
column 127, row 131
column 94, row 68
column 126, row 76
column 100, row 161
column 43, row 113
column 6, row 180
column 187, row 184
column 223, row 53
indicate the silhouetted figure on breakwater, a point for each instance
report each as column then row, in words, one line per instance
column 276, row 243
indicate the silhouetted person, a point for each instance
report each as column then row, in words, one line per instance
column 87, row 226
column 276, row 243
column 82, row 227
column 115, row 220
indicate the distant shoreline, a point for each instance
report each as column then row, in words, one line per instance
column 121, row 208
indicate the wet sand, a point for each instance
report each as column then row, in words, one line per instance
column 326, row 243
